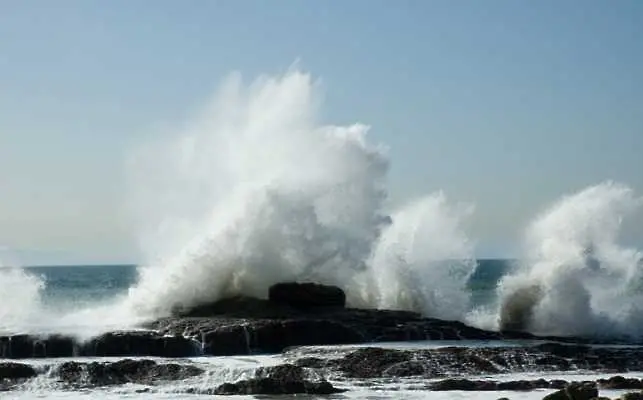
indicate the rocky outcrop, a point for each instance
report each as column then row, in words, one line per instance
column 242, row 325
column 295, row 314
column 121, row 372
column 281, row 379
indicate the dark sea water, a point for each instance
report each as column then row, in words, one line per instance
column 80, row 284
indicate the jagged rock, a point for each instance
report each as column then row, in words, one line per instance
column 306, row 295
column 13, row 371
column 280, row 379
column 122, row 372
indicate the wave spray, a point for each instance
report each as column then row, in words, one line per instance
column 256, row 191
column 577, row 279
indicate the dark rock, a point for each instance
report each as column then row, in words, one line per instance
column 126, row 343
column 280, row 379
column 227, row 340
column 461, row 384
column 558, row 384
column 273, row 336
column 13, row 371
column 445, row 362
column 619, row 382
column 139, row 343
column 307, row 295
column 404, row 369
column 27, row 346
column 522, row 385
column 312, row 362
column 371, row 362
column 632, row 396
column 122, row 372
column 481, row 385
column 575, row 391
column 272, row 386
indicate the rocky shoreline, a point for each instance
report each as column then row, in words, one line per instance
column 306, row 315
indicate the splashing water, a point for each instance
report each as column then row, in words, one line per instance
column 577, row 279
column 19, row 298
column 423, row 260
column 257, row 191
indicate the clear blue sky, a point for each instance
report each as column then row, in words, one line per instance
column 507, row 104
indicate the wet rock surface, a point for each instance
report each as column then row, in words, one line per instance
column 281, row 379
column 373, row 362
column 243, row 325
column 14, row 371
column 94, row 374
column 113, row 344
column 575, row 391
column 12, row 374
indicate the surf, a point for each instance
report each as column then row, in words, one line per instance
column 257, row 190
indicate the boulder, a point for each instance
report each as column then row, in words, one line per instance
column 280, row 379
column 13, row 371
column 307, row 295
column 575, row 391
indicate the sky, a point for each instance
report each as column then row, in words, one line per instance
column 505, row 104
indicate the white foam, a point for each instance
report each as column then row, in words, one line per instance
column 257, row 190
column 585, row 281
